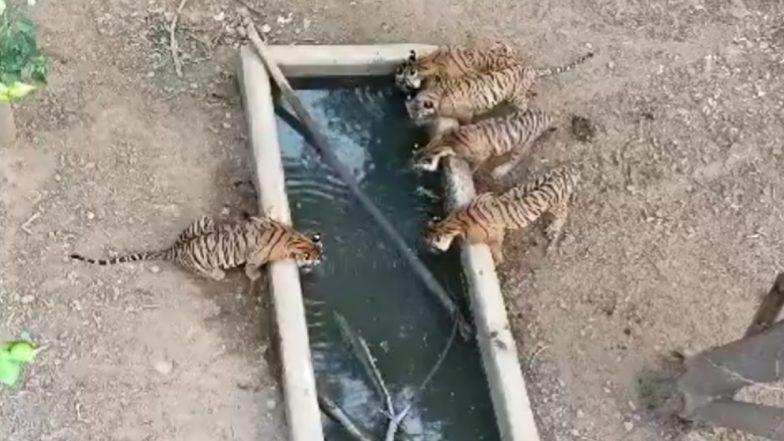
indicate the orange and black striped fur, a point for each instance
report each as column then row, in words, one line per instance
column 488, row 216
column 462, row 98
column 451, row 62
column 208, row 247
column 510, row 135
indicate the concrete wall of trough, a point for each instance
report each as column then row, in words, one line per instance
column 499, row 352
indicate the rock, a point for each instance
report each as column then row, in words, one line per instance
column 164, row 367
column 271, row 404
column 628, row 425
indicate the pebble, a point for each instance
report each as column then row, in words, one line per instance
column 266, row 29
column 90, row 215
column 155, row 269
column 628, row 425
column 164, row 367
column 27, row 299
column 271, row 404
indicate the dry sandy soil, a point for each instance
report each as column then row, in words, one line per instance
column 670, row 242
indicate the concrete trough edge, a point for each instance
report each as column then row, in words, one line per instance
column 303, row 416
column 508, row 391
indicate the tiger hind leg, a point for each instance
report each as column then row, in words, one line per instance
column 497, row 251
column 213, row 273
column 503, row 169
column 253, row 272
column 255, row 276
column 521, row 100
column 554, row 230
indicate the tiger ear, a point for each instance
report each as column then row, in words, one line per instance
column 412, row 56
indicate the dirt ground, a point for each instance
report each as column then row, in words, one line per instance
column 670, row 242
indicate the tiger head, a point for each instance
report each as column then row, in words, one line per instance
column 407, row 77
column 429, row 157
column 439, row 234
column 423, row 107
column 306, row 251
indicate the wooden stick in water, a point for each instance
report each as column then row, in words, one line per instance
column 321, row 145
column 336, row 414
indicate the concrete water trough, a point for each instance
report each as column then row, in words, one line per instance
column 498, row 350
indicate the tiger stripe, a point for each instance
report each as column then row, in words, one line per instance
column 450, row 62
column 488, row 216
column 490, row 138
column 472, row 94
column 208, row 248
column 464, row 97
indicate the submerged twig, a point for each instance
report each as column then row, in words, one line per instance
column 173, row 45
column 336, row 414
column 365, row 357
column 397, row 421
column 321, row 145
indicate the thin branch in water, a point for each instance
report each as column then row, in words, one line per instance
column 173, row 45
column 362, row 352
column 429, row 377
column 338, row 415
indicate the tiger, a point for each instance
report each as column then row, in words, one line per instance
column 488, row 216
column 462, row 98
column 452, row 61
column 511, row 134
column 208, row 247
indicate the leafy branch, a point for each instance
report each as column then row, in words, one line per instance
column 23, row 67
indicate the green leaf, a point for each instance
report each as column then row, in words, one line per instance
column 9, row 372
column 22, row 352
column 15, row 91
column 20, row 58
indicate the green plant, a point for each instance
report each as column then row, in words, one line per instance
column 13, row 356
column 22, row 65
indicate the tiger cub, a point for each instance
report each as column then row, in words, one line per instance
column 207, row 247
column 462, row 98
column 488, row 216
column 451, row 62
column 511, row 134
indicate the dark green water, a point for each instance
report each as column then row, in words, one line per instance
column 364, row 278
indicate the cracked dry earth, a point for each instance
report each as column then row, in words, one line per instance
column 673, row 236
